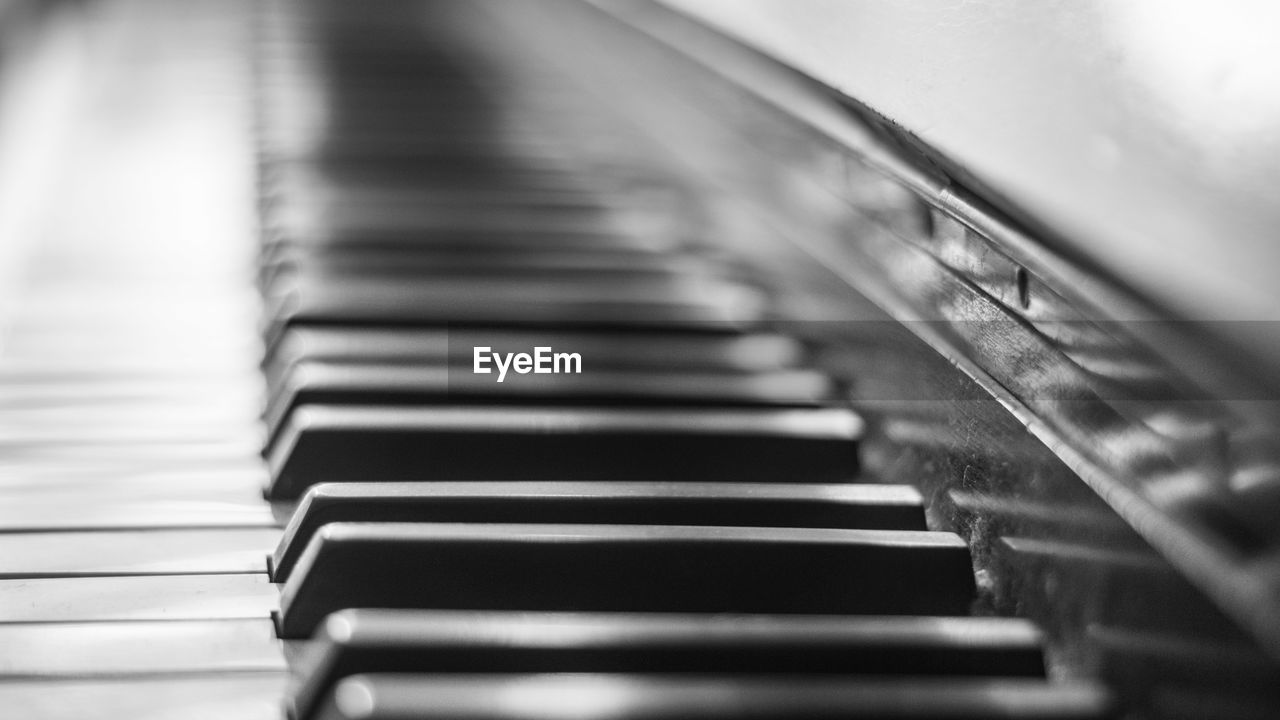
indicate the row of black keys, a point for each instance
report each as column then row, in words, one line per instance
column 789, row 578
column 674, row 532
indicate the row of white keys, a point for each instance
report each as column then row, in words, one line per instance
column 133, row 535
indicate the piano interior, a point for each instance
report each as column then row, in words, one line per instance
column 579, row 360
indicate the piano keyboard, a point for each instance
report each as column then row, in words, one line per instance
column 680, row 530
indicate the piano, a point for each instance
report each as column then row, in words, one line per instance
column 587, row 359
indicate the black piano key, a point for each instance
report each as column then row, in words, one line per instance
column 409, row 172
column 454, row 177
column 625, row 568
column 525, row 227
column 335, row 384
column 431, row 265
column 282, row 244
column 354, row 642
column 425, row 251
column 455, row 181
column 850, row 506
column 468, row 172
column 450, row 147
column 365, row 444
column 433, row 212
column 656, row 697
column 435, row 198
column 750, row 352
column 289, row 267
column 697, row 304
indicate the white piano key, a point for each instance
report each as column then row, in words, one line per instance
column 52, row 554
column 100, row 510
column 97, row 480
column 239, row 696
column 146, row 597
column 136, row 456
column 99, row 649
column 124, row 433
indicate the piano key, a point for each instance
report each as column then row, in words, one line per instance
column 80, row 463
column 700, row 362
column 354, row 642
column 120, row 505
column 319, row 227
column 75, row 475
column 446, row 196
column 299, row 176
column 97, row 387
column 85, row 424
column 624, row 568
column 99, row 511
column 849, row 506
column 290, row 267
column 84, row 432
column 512, row 302
column 143, row 552
column 212, row 696
column 453, row 199
column 352, row 169
column 754, row 352
column 281, row 244
column 103, row 649
column 436, row 212
column 641, row 697
column 332, row 384
column 142, row 597
column 141, row 457
column 434, row 265
column 594, row 232
column 362, row 444
column 420, row 147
